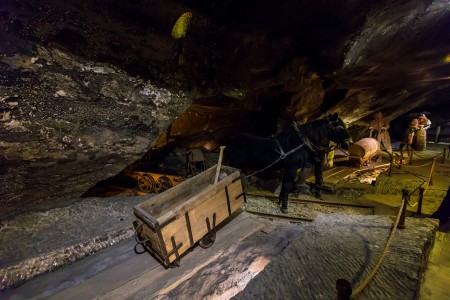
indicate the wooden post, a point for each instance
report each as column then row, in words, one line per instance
column 390, row 166
column 420, row 201
column 438, row 132
column 344, row 289
column 444, row 155
column 401, row 159
column 219, row 164
column 433, row 167
column 401, row 223
column 430, row 178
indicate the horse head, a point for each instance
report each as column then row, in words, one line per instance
column 339, row 133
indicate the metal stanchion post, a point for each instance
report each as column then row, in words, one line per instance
column 344, row 289
column 390, row 166
column 420, row 201
column 430, row 178
column 401, row 223
column 433, row 166
column 438, row 132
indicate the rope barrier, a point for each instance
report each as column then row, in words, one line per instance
column 420, row 166
column 417, row 188
column 415, row 175
column 364, row 284
column 415, row 153
column 407, row 200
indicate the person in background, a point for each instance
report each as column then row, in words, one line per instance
column 424, row 121
column 379, row 130
column 410, row 132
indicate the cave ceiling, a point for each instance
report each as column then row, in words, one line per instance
column 88, row 87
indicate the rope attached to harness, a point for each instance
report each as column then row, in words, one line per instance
column 304, row 142
column 281, row 157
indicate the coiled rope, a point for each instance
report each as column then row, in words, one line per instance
column 366, row 281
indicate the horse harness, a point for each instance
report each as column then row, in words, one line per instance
column 304, row 142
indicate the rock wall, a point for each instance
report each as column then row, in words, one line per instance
column 67, row 123
column 86, row 88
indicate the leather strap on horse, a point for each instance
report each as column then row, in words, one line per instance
column 303, row 138
column 282, row 156
column 311, row 147
column 304, row 142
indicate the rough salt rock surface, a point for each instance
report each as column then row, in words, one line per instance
column 67, row 123
column 347, row 246
column 38, row 242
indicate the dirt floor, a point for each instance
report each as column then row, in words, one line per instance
column 251, row 245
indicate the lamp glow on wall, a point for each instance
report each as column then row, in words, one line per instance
column 181, row 26
column 447, row 59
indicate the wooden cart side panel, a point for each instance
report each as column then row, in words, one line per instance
column 216, row 204
column 151, row 235
column 164, row 202
column 177, row 229
column 195, row 200
column 145, row 217
column 236, row 195
column 155, row 242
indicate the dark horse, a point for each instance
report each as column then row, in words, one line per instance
column 286, row 151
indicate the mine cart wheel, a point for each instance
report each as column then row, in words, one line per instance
column 146, row 183
column 163, row 183
column 208, row 239
column 175, row 264
column 139, row 251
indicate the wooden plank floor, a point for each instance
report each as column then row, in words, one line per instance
column 117, row 272
column 332, row 176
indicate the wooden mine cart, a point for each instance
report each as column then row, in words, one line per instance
column 170, row 223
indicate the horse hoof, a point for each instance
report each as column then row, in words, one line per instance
column 284, row 210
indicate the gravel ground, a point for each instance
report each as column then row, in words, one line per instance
column 38, row 242
column 303, row 210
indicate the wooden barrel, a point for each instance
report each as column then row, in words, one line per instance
column 364, row 148
column 421, row 140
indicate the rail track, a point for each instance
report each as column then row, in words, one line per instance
column 298, row 201
column 286, row 217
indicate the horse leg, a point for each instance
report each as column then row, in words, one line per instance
column 287, row 184
column 318, row 171
column 302, row 187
